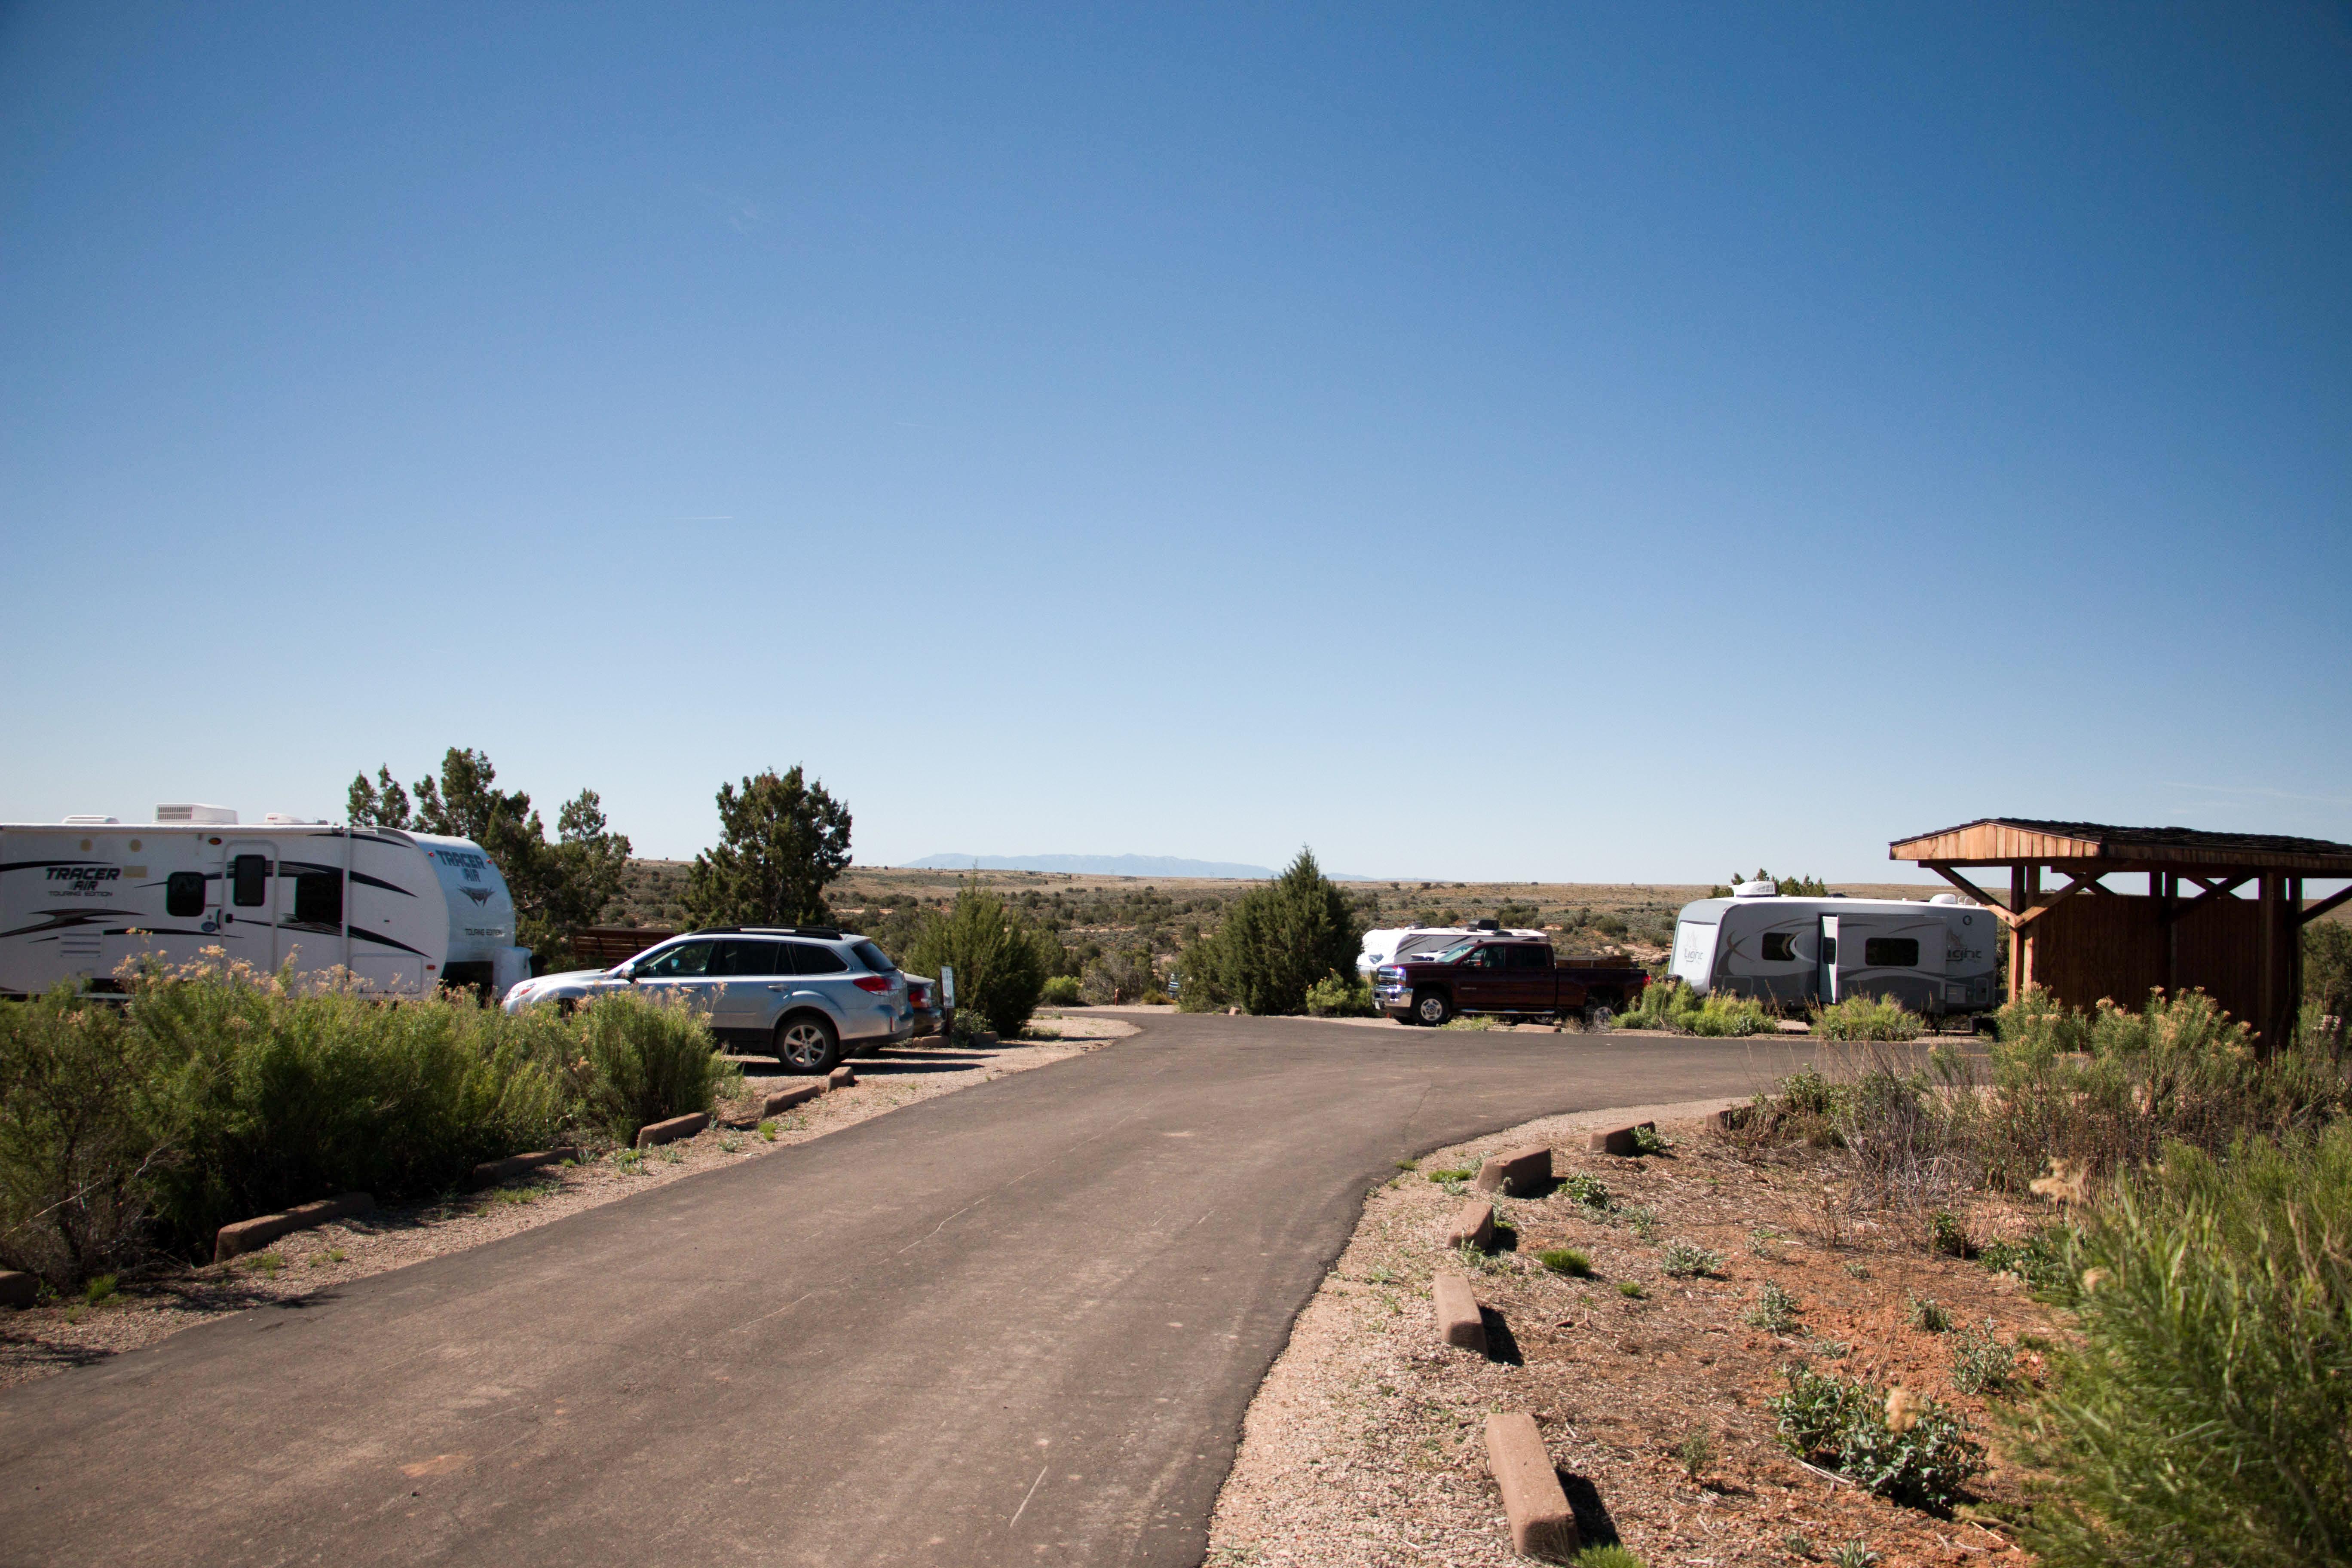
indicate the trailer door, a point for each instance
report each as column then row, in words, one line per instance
column 1825, row 980
column 248, row 906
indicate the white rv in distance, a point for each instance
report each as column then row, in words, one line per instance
column 1934, row 958
column 1396, row 944
column 402, row 912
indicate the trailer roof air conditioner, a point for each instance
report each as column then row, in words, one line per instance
column 220, row 816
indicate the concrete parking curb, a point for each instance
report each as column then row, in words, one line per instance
column 677, row 1126
column 783, row 1099
column 490, row 1172
column 1458, row 1320
column 1542, row 1524
column 1517, row 1172
column 18, row 1289
column 248, row 1234
column 1620, row 1140
column 1474, row 1224
column 842, row 1076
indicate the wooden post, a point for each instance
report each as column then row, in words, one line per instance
column 2293, row 935
column 2170, row 933
column 2032, row 900
column 2267, row 906
column 2016, row 932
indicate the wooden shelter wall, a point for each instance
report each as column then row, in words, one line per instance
column 2096, row 945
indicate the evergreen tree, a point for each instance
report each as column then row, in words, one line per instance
column 1002, row 960
column 781, row 841
column 1276, row 943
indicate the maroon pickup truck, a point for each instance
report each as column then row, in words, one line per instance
column 1505, row 975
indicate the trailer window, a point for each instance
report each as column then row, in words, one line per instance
column 1890, row 952
column 319, row 898
column 1780, row 946
column 183, row 894
column 249, row 878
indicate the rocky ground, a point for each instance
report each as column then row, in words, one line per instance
column 39, row 1341
column 1364, row 1447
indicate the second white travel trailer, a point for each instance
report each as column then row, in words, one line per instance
column 1934, row 957
column 400, row 912
column 1395, row 944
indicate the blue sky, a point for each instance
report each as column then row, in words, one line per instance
column 1546, row 442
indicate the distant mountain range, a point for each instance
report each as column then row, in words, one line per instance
column 1107, row 865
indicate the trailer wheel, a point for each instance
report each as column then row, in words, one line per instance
column 807, row 1044
column 1432, row 1008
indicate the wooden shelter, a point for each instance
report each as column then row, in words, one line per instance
column 2085, row 939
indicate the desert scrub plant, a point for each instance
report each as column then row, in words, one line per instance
column 1631, row 1290
column 1122, row 975
column 1062, row 991
column 1982, row 1364
column 1649, row 1140
column 1674, row 1007
column 768, row 1129
column 1866, row 1018
column 1775, row 1310
column 2045, row 1260
column 1694, row 1453
column 1586, row 1192
column 1567, row 1260
column 643, row 1060
column 1335, row 996
column 1925, row 1313
column 2201, row 1418
column 1921, row 1457
column 1609, row 1556
column 1688, row 1261
column 1948, row 1235
column 1451, row 1174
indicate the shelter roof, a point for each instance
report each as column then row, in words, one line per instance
column 1999, row 840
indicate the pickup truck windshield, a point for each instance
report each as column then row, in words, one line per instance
column 1455, row 952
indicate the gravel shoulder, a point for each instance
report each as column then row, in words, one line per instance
column 1364, row 1445
column 38, row 1341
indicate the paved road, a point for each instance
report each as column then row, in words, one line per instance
column 1015, row 1324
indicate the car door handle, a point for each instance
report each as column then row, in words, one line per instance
column 780, row 988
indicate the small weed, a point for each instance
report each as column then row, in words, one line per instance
column 1451, row 1175
column 1646, row 1141
column 1381, row 1276
column 1694, row 1453
column 98, row 1290
column 337, row 1254
column 1796, row 1543
column 1927, row 1314
column 2035, row 1343
column 1949, row 1236
column 1566, row 1260
column 2045, row 1260
column 269, row 1263
column 1611, row 1556
column 1473, row 1258
column 1631, row 1290
column 1408, row 1164
column 1760, row 1240
column 768, row 1130
column 730, row 1144
column 74, row 1314
column 1980, row 1362
column 1589, row 1192
column 1775, row 1310
column 1858, row 1270
column 1853, row 1554
column 1685, row 1261
column 1844, row 1426
column 671, row 1154
column 524, row 1195
column 1644, row 1221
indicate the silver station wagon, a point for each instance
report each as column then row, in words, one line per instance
column 808, row 995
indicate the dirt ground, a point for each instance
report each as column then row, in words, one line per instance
column 37, row 1342
column 1365, row 1444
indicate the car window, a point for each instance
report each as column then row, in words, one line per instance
column 810, row 959
column 1483, row 959
column 1452, row 954
column 686, row 961
column 750, row 958
column 873, row 957
column 1528, row 956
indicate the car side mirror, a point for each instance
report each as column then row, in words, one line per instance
column 626, row 972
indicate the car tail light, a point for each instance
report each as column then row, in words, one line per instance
column 920, row 995
column 878, row 984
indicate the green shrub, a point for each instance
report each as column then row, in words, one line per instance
column 1336, row 996
column 1062, row 991
column 1566, row 1260
column 2045, row 1260
column 1925, row 1313
column 1775, row 1310
column 1982, row 1364
column 1587, row 1191
column 1674, row 1007
column 646, row 1061
column 1124, row 974
column 1609, row 1556
column 77, row 1124
column 1001, row 959
column 1866, row 1018
column 1843, row 1425
column 2203, row 1417
column 1275, row 944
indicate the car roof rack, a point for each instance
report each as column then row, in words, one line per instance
column 822, row 934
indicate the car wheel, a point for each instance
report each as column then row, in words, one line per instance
column 1432, row 1008
column 1600, row 1016
column 807, row 1044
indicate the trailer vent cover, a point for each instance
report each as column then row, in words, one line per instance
column 218, row 815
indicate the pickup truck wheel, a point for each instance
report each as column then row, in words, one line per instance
column 807, row 1044
column 1432, row 1008
column 1600, row 1016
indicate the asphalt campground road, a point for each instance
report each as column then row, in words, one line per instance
column 1020, row 1323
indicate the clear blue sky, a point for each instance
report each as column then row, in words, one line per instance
column 1540, row 441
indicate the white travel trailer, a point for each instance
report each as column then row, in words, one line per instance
column 1393, row 945
column 1935, row 957
column 403, row 912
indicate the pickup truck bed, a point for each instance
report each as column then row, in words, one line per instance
column 1511, row 976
